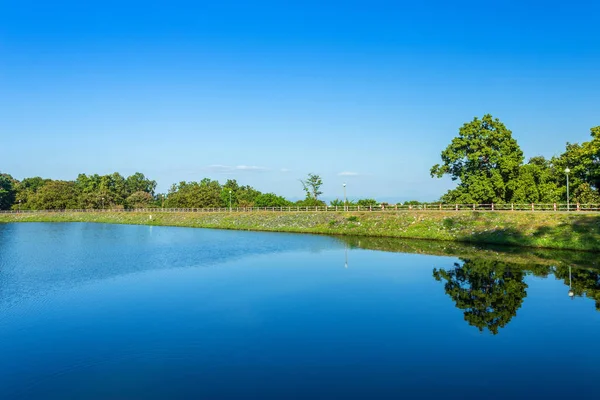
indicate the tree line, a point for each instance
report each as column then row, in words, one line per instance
column 89, row 192
column 484, row 159
column 114, row 191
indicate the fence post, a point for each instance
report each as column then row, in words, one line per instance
column 473, row 207
column 456, row 207
column 578, row 209
column 492, row 206
column 440, row 206
column 554, row 206
column 532, row 207
column 370, row 208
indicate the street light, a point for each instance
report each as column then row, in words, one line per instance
column 19, row 210
column 103, row 203
column 346, row 252
column 230, row 201
column 163, row 200
column 345, row 206
column 567, row 170
column 571, row 293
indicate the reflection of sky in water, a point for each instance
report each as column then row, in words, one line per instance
column 36, row 258
column 130, row 311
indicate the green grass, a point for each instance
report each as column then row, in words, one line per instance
column 576, row 231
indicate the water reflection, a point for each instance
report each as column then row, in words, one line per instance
column 582, row 282
column 94, row 311
column 489, row 292
column 489, row 283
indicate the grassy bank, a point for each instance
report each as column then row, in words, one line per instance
column 575, row 231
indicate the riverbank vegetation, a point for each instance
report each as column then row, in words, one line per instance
column 576, row 231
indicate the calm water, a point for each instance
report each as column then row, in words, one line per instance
column 124, row 312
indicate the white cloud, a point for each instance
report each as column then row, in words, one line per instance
column 249, row 168
column 348, row 173
column 284, row 170
column 228, row 169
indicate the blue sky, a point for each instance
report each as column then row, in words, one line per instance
column 367, row 93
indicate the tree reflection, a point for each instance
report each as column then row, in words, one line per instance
column 489, row 292
column 584, row 282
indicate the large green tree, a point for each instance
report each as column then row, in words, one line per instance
column 484, row 158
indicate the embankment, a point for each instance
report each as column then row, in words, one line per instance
column 575, row 231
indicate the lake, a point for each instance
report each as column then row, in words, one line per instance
column 95, row 311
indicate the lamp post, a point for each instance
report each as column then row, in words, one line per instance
column 103, row 203
column 345, row 206
column 346, row 253
column 567, row 170
column 571, row 293
column 230, row 201
column 163, row 200
column 19, row 210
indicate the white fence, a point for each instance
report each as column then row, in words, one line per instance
column 381, row 208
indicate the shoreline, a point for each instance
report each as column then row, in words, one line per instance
column 566, row 231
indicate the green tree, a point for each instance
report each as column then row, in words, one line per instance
column 367, row 202
column 583, row 160
column 7, row 191
column 139, row 199
column 96, row 191
column 55, row 195
column 26, row 189
column 484, row 158
column 489, row 292
column 535, row 183
column 203, row 194
column 271, row 200
column 312, row 186
column 246, row 196
column 234, row 187
column 139, row 183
